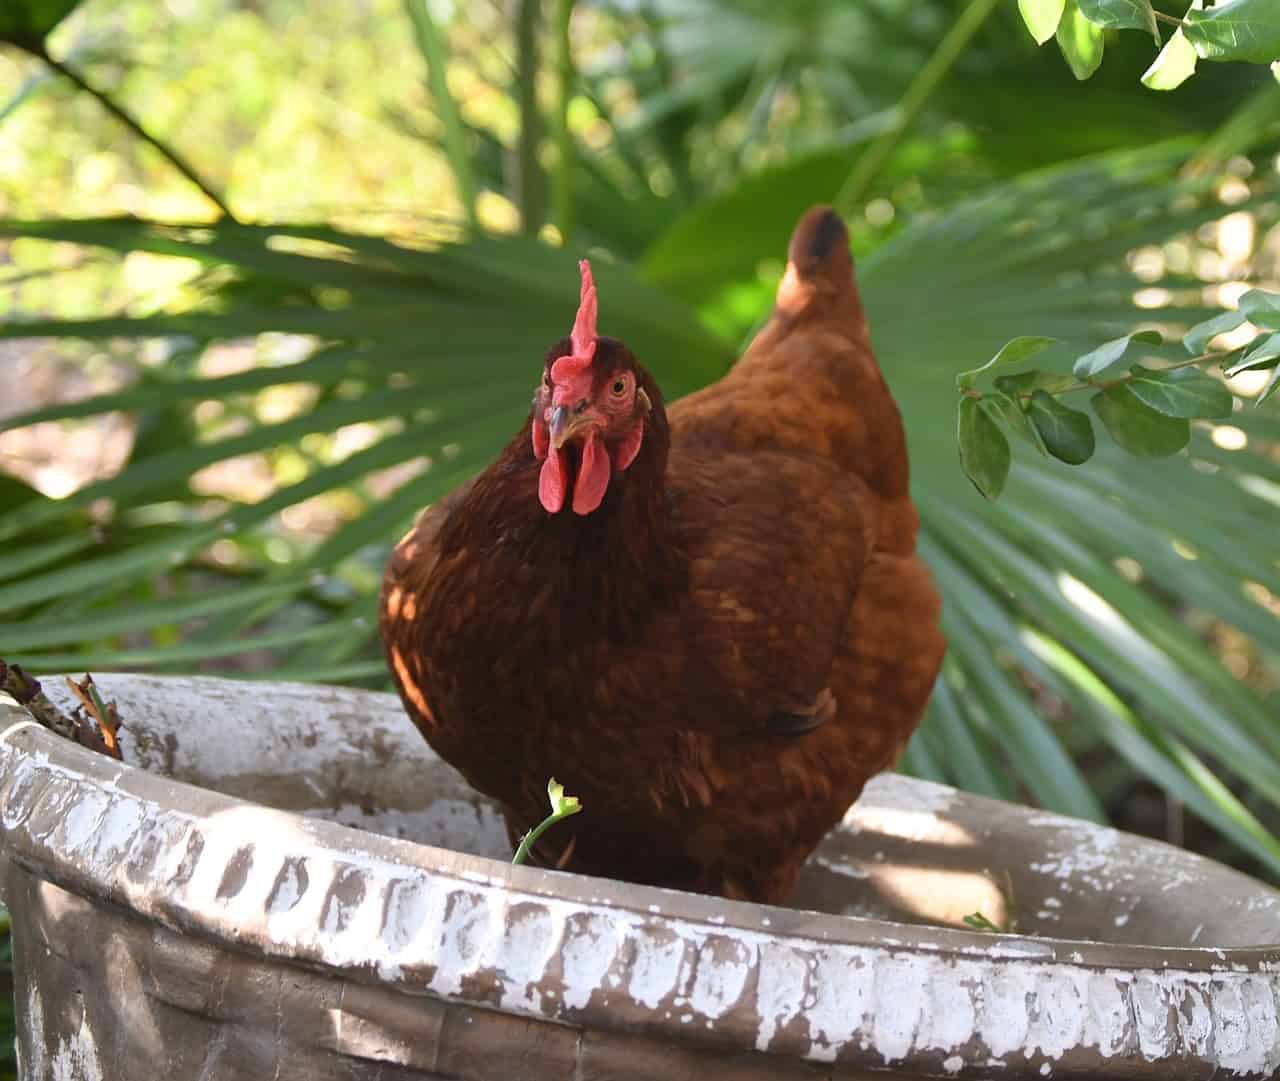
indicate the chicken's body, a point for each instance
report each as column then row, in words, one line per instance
column 717, row 658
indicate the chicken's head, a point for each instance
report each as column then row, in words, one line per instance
column 588, row 414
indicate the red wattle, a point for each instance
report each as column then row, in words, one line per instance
column 593, row 476
column 541, row 440
column 552, row 482
column 625, row 452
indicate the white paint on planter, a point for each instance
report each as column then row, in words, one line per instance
column 587, row 949
column 466, row 931
column 723, row 966
column 76, row 1058
column 655, row 969
column 528, row 947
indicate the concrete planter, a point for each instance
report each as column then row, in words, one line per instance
column 206, row 911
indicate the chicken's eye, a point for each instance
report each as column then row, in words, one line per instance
column 619, row 388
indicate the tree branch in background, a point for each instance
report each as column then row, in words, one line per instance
column 169, row 153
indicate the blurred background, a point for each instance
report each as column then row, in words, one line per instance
column 219, row 408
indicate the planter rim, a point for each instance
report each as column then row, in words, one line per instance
column 569, row 948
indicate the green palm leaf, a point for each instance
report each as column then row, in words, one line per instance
column 438, row 347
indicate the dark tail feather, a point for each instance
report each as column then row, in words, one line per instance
column 819, row 264
column 819, row 247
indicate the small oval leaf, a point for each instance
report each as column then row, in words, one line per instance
column 1197, row 339
column 1262, row 354
column 1247, row 30
column 1262, row 308
column 984, row 451
column 1011, row 352
column 1110, row 356
column 1042, row 17
column 1121, row 15
column 1173, row 65
column 1010, row 410
column 1067, row 433
column 1182, row 392
column 1080, row 41
column 1137, row 427
column 1024, row 383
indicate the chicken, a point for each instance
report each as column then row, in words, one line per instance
column 708, row 622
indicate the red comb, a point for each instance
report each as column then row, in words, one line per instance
column 583, row 338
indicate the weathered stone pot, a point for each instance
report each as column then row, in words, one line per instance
column 207, row 911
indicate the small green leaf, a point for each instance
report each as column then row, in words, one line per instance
column 1111, row 355
column 1247, row 30
column 1067, row 433
column 562, row 807
column 978, row 922
column 1011, row 412
column 560, row 803
column 1022, row 384
column 1010, row 353
column 1173, row 65
column 1137, row 427
column 1042, row 17
column 1080, row 41
column 1121, row 15
column 1262, row 354
column 1273, row 384
column 1181, row 392
column 1262, row 308
column 1197, row 339
column 984, row 451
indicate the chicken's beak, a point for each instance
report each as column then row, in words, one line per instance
column 565, row 423
column 559, row 426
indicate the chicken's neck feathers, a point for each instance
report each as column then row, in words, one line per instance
column 604, row 572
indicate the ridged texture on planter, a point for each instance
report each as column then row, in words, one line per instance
column 424, row 936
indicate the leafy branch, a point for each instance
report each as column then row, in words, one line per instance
column 1243, row 30
column 562, row 807
column 27, row 27
column 1146, row 411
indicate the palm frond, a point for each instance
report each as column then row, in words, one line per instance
column 437, row 347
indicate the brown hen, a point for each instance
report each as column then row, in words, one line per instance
column 709, row 623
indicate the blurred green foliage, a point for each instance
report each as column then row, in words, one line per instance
column 298, row 382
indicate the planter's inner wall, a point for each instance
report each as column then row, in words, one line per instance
column 908, row 851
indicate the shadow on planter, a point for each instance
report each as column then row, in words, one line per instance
column 202, row 912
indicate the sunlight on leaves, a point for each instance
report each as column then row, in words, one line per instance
column 1246, row 30
column 1042, row 17
column 1081, row 42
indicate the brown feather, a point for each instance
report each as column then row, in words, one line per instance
column 756, row 561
